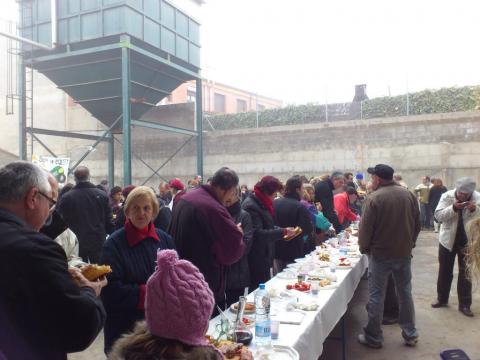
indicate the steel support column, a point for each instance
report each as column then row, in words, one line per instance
column 199, row 125
column 22, row 110
column 127, row 139
column 111, row 160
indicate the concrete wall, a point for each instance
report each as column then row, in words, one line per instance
column 441, row 145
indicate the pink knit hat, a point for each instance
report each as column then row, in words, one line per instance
column 178, row 302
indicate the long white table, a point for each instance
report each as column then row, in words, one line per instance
column 308, row 337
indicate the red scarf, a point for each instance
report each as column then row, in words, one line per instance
column 264, row 199
column 135, row 236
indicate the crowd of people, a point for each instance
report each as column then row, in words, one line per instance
column 180, row 255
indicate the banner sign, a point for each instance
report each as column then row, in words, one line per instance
column 58, row 167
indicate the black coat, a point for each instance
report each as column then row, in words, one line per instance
column 265, row 234
column 131, row 268
column 54, row 226
column 434, row 196
column 324, row 195
column 238, row 274
column 289, row 212
column 161, row 221
column 87, row 212
column 43, row 313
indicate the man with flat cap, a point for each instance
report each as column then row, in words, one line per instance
column 387, row 234
column 455, row 208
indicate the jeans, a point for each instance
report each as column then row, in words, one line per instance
column 426, row 218
column 378, row 273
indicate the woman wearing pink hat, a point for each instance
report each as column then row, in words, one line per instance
column 178, row 307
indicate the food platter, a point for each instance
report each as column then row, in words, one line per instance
column 249, row 308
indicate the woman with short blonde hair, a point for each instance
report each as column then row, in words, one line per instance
column 131, row 252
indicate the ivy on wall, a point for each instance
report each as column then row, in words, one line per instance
column 444, row 100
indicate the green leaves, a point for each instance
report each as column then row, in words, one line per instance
column 423, row 102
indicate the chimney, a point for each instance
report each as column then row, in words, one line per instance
column 360, row 93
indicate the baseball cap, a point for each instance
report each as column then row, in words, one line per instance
column 382, row 171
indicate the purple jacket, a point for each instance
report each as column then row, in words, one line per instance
column 205, row 234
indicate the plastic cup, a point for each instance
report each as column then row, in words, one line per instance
column 274, row 327
column 314, row 287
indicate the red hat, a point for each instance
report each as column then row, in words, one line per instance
column 127, row 189
column 177, row 184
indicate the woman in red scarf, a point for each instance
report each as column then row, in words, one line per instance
column 260, row 207
column 131, row 252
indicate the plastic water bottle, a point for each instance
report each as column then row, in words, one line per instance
column 262, row 317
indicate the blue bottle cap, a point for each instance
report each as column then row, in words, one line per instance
column 261, row 286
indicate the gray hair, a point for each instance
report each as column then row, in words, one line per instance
column 337, row 175
column 18, row 177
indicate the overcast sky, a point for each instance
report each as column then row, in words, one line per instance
column 303, row 51
column 309, row 50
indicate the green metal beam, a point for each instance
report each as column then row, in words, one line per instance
column 44, row 145
column 99, row 140
column 164, row 61
column 155, row 172
column 152, row 125
column 91, row 50
column 22, row 111
column 64, row 134
column 127, row 138
column 199, row 125
column 111, row 159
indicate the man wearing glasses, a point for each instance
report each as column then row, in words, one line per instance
column 44, row 313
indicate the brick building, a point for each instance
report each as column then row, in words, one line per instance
column 222, row 99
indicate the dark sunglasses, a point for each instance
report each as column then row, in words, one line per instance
column 50, row 200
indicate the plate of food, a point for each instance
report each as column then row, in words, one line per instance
column 297, row 231
column 249, row 308
column 299, row 286
column 232, row 350
column 326, row 284
column 344, row 263
column 324, row 257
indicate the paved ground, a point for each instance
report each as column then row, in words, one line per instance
column 439, row 329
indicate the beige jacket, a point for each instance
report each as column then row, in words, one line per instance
column 445, row 214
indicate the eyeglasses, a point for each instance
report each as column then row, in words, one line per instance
column 50, row 200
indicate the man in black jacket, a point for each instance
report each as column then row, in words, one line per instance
column 87, row 212
column 289, row 212
column 44, row 314
column 324, row 195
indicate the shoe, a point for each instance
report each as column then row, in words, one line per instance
column 389, row 320
column 437, row 304
column 465, row 310
column 363, row 340
column 411, row 342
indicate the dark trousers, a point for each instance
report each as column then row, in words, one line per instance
column 446, row 261
column 390, row 304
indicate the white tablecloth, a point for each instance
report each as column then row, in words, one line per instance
column 308, row 337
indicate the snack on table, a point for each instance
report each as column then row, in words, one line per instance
column 344, row 262
column 93, row 271
column 233, row 351
column 300, row 286
column 325, row 282
column 249, row 307
column 324, row 257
